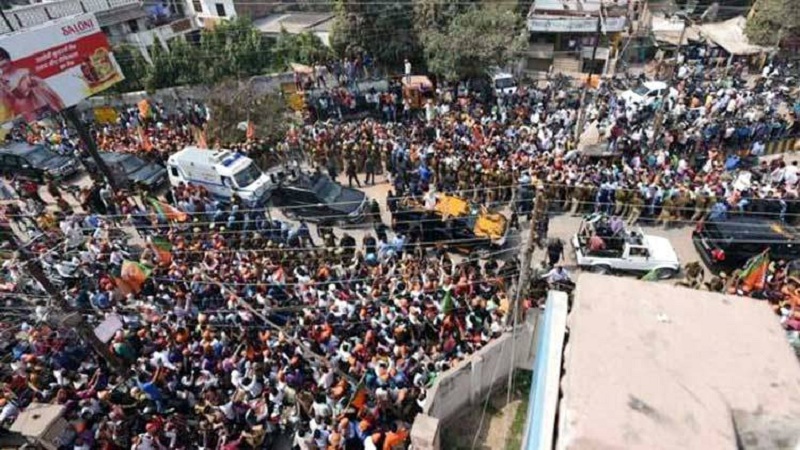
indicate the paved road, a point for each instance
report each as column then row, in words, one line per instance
column 562, row 226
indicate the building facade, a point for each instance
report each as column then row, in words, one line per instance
column 124, row 21
column 563, row 35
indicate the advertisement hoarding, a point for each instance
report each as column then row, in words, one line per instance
column 48, row 68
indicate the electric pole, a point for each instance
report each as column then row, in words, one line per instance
column 539, row 215
column 581, row 110
column 72, row 318
column 658, row 122
column 91, row 146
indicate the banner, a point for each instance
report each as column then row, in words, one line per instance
column 105, row 115
column 48, row 68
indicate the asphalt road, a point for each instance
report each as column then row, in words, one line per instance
column 562, row 226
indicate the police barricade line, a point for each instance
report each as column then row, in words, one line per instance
column 782, row 146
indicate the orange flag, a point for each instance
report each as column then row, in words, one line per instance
column 251, row 130
column 145, row 141
column 201, row 138
column 144, row 109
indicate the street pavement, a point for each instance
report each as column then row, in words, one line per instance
column 562, row 225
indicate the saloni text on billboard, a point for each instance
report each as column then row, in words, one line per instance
column 46, row 69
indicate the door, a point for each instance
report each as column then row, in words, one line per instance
column 20, row 167
column 9, row 165
column 301, row 202
column 637, row 259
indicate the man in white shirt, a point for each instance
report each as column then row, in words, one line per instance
column 790, row 174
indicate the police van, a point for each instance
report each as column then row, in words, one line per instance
column 222, row 172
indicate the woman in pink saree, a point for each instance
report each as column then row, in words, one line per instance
column 23, row 93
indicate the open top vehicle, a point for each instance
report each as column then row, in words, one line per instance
column 626, row 251
column 454, row 222
column 727, row 244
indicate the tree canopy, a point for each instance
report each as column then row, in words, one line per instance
column 233, row 49
column 473, row 41
column 771, row 19
column 384, row 30
column 303, row 48
column 232, row 102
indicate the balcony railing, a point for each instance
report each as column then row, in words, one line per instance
column 31, row 15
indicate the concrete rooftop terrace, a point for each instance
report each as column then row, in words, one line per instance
column 653, row 366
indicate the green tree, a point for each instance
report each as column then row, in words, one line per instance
column 233, row 48
column 304, row 48
column 385, row 30
column 436, row 15
column 232, row 102
column 133, row 66
column 161, row 73
column 772, row 19
column 473, row 41
column 186, row 61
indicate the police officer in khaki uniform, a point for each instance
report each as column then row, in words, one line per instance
column 667, row 212
column 701, row 203
column 579, row 193
column 622, row 197
column 635, row 210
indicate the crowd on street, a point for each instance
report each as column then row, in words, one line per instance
column 239, row 328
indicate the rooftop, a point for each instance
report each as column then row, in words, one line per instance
column 295, row 23
column 654, row 366
column 575, row 6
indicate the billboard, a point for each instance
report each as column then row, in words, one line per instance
column 48, row 68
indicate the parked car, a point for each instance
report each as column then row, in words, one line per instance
column 626, row 251
column 454, row 222
column 648, row 92
column 315, row 197
column 135, row 170
column 35, row 162
column 728, row 244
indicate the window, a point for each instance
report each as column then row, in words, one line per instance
column 10, row 161
column 220, row 9
column 174, row 171
column 639, row 252
column 197, row 6
column 134, row 26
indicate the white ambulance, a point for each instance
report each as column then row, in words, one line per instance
column 222, row 172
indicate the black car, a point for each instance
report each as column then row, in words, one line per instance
column 729, row 243
column 35, row 162
column 134, row 170
column 317, row 198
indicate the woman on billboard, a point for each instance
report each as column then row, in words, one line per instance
column 22, row 93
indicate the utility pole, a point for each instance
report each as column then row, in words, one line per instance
column 539, row 215
column 91, row 146
column 581, row 110
column 72, row 318
column 658, row 122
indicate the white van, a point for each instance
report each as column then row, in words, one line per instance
column 222, row 172
column 502, row 82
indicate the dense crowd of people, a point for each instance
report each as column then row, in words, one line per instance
column 239, row 328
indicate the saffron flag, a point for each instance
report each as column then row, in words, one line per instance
column 251, row 130
column 200, row 138
column 163, row 248
column 145, row 141
column 168, row 211
column 754, row 274
column 134, row 274
column 145, row 111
